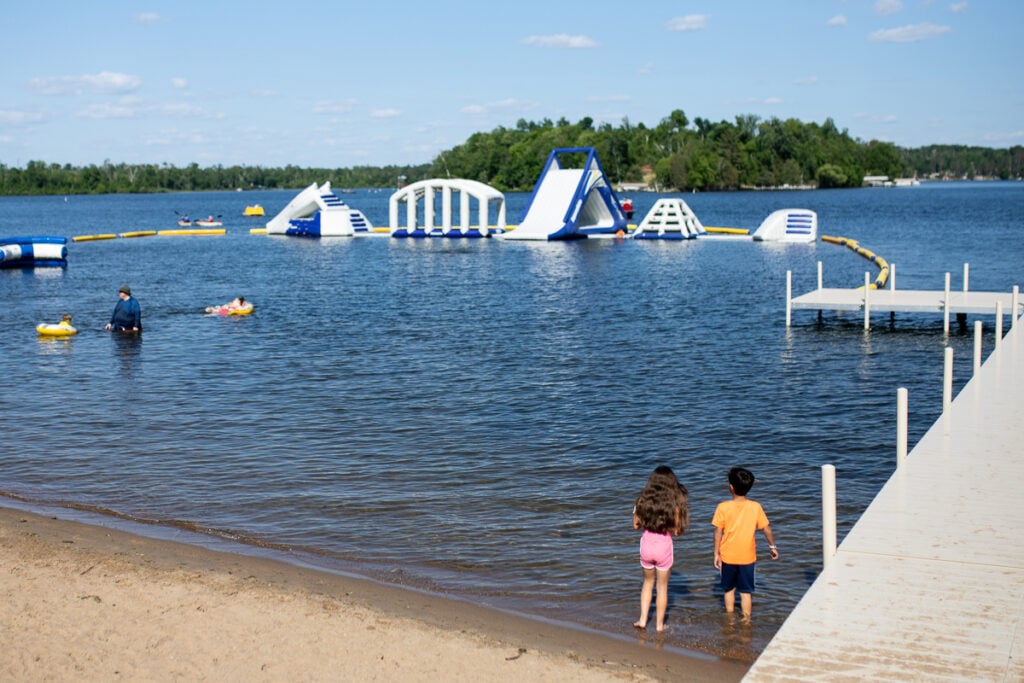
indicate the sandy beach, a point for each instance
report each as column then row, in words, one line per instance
column 89, row 603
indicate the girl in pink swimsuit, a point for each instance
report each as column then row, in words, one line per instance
column 661, row 511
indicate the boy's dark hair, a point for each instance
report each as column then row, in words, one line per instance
column 741, row 479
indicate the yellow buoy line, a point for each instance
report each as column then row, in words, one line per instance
column 149, row 233
column 854, row 245
column 728, row 231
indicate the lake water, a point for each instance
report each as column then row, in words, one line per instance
column 475, row 417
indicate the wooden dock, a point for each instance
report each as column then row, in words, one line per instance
column 929, row 583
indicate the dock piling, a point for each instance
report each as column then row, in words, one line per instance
column 947, row 388
column 789, row 297
column 945, row 309
column 902, row 398
column 999, row 325
column 977, row 347
column 828, row 515
column 967, row 270
column 867, row 301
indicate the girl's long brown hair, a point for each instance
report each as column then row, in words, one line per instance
column 662, row 505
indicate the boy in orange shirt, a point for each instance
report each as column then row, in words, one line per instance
column 736, row 522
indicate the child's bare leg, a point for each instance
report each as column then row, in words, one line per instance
column 746, row 605
column 645, row 597
column 662, row 603
column 730, row 600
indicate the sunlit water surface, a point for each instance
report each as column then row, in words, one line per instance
column 475, row 417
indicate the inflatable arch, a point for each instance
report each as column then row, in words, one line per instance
column 569, row 203
column 427, row 190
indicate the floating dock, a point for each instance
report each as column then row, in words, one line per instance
column 945, row 302
column 929, row 583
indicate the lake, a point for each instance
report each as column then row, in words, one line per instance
column 475, row 417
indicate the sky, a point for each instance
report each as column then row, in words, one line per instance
column 342, row 84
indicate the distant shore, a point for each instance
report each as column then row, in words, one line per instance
column 84, row 602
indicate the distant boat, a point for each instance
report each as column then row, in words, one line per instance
column 184, row 222
column 254, row 210
column 208, row 222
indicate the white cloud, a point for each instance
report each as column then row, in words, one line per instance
column 108, row 111
column 908, row 34
column 647, row 68
column 887, row 7
column 179, row 82
column 332, row 107
column 103, row 82
column 262, row 92
column 958, row 7
column 134, row 108
column 837, row 20
column 10, row 117
column 691, row 22
column 385, row 113
column 807, row 80
column 773, row 100
column 561, row 40
column 147, row 18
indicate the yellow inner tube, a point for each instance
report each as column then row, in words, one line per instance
column 55, row 330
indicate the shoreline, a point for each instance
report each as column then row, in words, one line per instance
column 88, row 602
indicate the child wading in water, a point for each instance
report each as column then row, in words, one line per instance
column 736, row 523
column 661, row 511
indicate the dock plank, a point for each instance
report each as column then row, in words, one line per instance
column 929, row 583
column 905, row 300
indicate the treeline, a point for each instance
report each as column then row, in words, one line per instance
column 746, row 153
column 40, row 178
column 673, row 155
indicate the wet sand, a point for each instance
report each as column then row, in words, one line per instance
column 88, row 603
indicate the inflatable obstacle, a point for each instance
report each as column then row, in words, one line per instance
column 669, row 219
column 318, row 212
column 570, row 203
column 452, row 191
column 31, row 252
column 788, row 225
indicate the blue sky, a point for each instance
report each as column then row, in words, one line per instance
column 341, row 84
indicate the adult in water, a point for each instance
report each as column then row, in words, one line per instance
column 127, row 316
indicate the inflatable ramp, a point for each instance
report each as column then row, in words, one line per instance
column 669, row 219
column 318, row 212
column 570, row 203
column 788, row 225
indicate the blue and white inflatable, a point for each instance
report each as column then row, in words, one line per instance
column 318, row 212
column 32, row 252
column 570, row 203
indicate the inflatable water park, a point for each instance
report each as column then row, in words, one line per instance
column 569, row 201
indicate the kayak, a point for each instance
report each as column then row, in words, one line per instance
column 55, row 330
